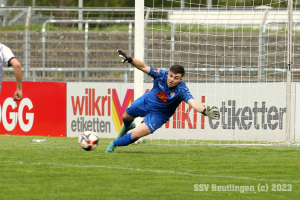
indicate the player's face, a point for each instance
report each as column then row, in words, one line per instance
column 173, row 79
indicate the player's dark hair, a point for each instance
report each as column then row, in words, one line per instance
column 177, row 69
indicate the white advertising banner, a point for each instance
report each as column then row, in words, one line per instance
column 295, row 128
column 97, row 107
column 248, row 111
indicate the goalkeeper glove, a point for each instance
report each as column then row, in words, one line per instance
column 124, row 56
column 211, row 113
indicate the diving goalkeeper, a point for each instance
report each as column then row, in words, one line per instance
column 158, row 105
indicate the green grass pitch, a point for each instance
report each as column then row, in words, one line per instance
column 60, row 169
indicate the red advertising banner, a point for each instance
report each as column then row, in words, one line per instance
column 41, row 112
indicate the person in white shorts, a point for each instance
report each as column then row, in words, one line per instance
column 7, row 56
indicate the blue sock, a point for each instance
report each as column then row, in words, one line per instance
column 124, row 141
column 127, row 123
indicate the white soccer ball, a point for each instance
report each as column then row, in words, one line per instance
column 88, row 140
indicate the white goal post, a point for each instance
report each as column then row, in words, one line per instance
column 138, row 50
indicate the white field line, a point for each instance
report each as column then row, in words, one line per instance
column 150, row 170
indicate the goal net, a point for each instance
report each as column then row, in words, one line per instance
column 236, row 55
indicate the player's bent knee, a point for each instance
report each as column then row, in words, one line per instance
column 141, row 131
column 127, row 117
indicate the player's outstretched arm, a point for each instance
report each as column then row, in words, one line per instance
column 211, row 113
column 134, row 62
column 18, row 74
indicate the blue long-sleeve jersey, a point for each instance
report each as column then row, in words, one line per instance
column 164, row 100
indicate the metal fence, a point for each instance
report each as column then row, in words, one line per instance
column 52, row 46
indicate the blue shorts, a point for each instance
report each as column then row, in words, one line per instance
column 152, row 120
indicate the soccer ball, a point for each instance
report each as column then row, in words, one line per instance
column 88, row 140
